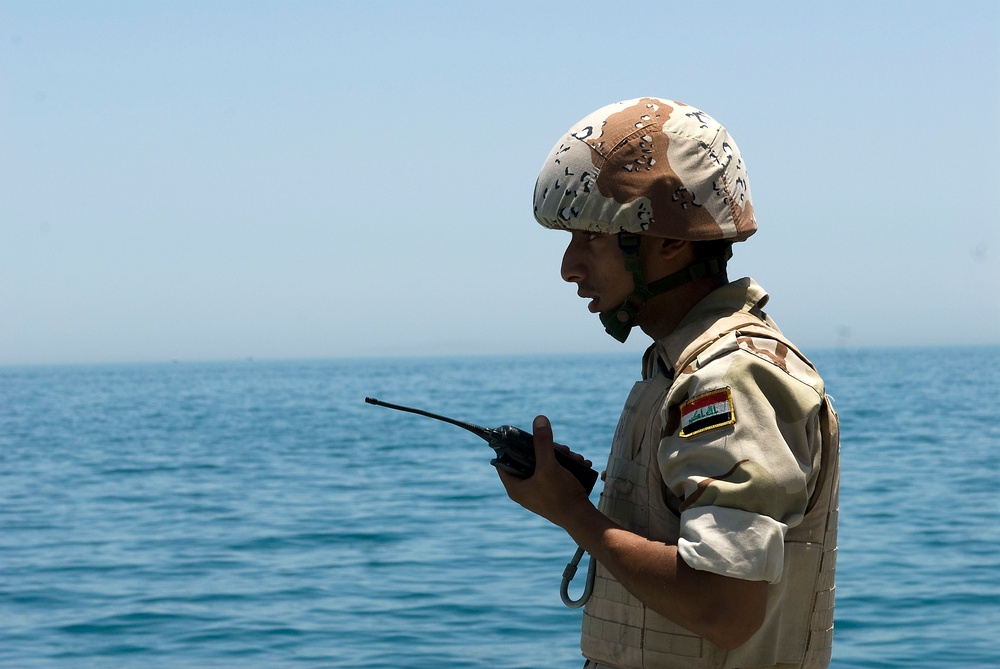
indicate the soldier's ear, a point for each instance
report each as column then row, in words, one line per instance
column 664, row 256
column 674, row 249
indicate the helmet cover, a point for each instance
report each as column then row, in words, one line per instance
column 647, row 166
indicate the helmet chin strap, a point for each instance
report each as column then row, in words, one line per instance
column 619, row 322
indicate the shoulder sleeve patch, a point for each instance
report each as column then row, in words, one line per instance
column 707, row 412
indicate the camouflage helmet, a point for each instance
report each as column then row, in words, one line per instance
column 647, row 166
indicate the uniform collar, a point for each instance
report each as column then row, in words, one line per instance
column 741, row 295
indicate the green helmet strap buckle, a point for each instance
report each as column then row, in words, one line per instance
column 619, row 322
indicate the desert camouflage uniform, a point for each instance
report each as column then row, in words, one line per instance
column 733, row 458
column 747, row 490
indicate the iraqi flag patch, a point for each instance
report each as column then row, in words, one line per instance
column 707, row 412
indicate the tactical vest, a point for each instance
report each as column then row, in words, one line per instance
column 618, row 630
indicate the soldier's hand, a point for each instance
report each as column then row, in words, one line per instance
column 552, row 492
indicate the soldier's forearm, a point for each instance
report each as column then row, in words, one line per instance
column 726, row 611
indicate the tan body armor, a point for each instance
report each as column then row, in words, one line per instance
column 618, row 630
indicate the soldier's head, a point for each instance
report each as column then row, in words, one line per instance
column 648, row 167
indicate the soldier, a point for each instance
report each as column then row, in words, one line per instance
column 715, row 535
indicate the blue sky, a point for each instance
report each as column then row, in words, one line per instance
column 220, row 180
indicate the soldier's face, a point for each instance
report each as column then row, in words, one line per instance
column 594, row 263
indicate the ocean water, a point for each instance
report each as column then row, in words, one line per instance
column 260, row 514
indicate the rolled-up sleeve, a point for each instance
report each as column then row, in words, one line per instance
column 742, row 479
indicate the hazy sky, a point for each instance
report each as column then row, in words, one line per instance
column 218, row 180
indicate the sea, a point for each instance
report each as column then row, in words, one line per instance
column 261, row 514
